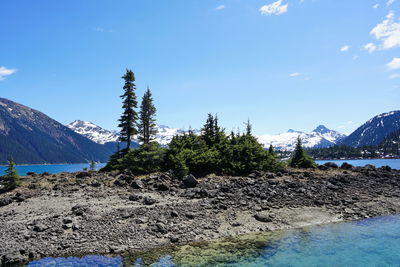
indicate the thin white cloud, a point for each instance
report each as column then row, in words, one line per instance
column 394, row 64
column 394, row 76
column 370, row 47
column 220, row 7
column 388, row 32
column 4, row 72
column 275, row 8
column 375, row 6
column 294, row 74
column 345, row 48
column 100, row 29
column 390, row 2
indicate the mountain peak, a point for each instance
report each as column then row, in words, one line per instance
column 93, row 132
column 321, row 129
column 374, row 130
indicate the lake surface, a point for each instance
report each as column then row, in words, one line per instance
column 393, row 163
column 370, row 242
column 53, row 168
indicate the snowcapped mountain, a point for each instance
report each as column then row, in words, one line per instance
column 320, row 137
column 93, row 132
column 102, row 136
column 375, row 130
column 165, row 134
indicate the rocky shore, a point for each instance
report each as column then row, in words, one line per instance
column 115, row 213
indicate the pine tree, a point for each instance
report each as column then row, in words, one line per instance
column 248, row 127
column 11, row 178
column 271, row 150
column 208, row 130
column 147, row 126
column 129, row 117
column 300, row 158
column 92, row 166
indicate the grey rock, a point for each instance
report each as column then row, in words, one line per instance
column 263, row 217
column 40, row 227
column 5, row 201
column 149, row 201
column 137, row 184
column 190, row 181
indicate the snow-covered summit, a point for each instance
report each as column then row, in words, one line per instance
column 320, row 137
column 93, row 132
column 102, row 136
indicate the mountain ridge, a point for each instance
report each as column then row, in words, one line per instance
column 374, row 131
column 29, row 136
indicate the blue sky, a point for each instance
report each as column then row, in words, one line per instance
column 283, row 64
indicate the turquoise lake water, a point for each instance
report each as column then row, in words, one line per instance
column 393, row 163
column 371, row 242
column 53, row 168
column 59, row 168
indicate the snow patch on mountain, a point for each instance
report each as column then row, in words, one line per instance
column 320, row 137
column 93, row 132
column 102, row 136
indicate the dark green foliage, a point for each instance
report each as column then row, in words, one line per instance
column 211, row 152
column 271, row 150
column 92, row 166
column 129, row 117
column 215, row 152
column 300, row 159
column 11, row 179
column 148, row 158
column 391, row 144
column 147, row 127
column 336, row 152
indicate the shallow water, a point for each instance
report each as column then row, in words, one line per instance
column 370, row 242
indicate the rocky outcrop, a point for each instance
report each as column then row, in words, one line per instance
column 102, row 213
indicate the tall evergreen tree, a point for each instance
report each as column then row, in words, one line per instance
column 208, row 130
column 248, row 127
column 11, row 178
column 147, row 127
column 300, row 159
column 271, row 150
column 129, row 117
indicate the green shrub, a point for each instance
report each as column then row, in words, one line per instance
column 300, row 159
column 11, row 178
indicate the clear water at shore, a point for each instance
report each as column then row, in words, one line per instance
column 370, row 242
column 393, row 163
column 53, row 168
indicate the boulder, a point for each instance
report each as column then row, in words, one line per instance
column 5, row 201
column 346, row 166
column 40, row 227
column 331, row 165
column 322, row 167
column 263, row 217
column 163, row 187
column 137, row 184
column 190, row 181
column 149, row 201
